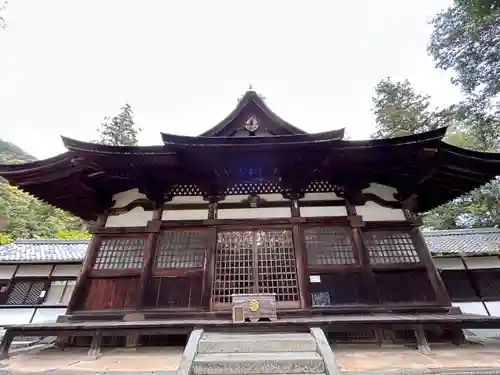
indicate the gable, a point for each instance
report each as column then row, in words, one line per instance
column 252, row 117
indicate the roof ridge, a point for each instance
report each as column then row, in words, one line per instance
column 460, row 231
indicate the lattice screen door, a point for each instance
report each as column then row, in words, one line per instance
column 255, row 261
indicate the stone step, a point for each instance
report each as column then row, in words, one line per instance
column 256, row 343
column 258, row 363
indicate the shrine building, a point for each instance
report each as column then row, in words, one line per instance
column 256, row 206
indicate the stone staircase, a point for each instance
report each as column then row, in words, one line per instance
column 257, row 353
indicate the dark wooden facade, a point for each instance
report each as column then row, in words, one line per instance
column 256, row 205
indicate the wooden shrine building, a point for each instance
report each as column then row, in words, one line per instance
column 256, row 205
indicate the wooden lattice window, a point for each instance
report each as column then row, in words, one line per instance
column 329, row 245
column 120, row 253
column 181, row 249
column 390, row 247
column 25, row 293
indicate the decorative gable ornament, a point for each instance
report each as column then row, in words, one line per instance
column 252, row 124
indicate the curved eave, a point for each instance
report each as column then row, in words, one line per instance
column 172, row 139
column 255, row 98
column 466, row 161
column 99, row 149
column 433, row 137
column 13, row 169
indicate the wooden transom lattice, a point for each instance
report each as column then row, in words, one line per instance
column 267, row 187
column 390, row 247
column 328, row 246
column 255, row 261
column 120, row 253
column 319, row 187
column 181, row 249
column 185, row 190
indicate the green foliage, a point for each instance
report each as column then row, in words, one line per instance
column 466, row 39
column 72, row 234
column 479, row 8
column 400, row 110
column 23, row 216
column 120, row 130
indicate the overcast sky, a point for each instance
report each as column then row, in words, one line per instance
column 65, row 65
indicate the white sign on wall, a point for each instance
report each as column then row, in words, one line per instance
column 314, row 278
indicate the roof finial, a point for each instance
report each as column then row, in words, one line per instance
column 250, row 87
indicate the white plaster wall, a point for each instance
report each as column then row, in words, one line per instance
column 126, row 197
column 187, row 199
column 67, row 270
column 234, row 198
column 267, row 197
column 321, row 197
column 322, row 211
column 42, row 270
column 371, row 211
column 482, row 262
column 255, row 213
column 134, row 218
column 471, row 307
column 382, row 191
column 185, row 214
column 449, row 263
column 6, row 272
column 493, row 308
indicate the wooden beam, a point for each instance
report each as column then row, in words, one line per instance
column 87, row 266
column 149, row 256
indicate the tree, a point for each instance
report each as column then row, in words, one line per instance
column 3, row 6
column 400, row 110
column 466, row 40
column 120, row 130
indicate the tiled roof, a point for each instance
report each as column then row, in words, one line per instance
column 463, row 241
column 54, row 251
column 440, row 242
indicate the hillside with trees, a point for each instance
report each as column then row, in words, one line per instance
column 22, row 216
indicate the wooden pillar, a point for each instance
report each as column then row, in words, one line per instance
column 88, row 263
column 434, row 276
column 356, row 223
column 5, row 344
column 208, row 269
column 154, row 227
column 302, row 272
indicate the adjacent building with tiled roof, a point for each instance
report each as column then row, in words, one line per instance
column 465, row 242
column 37, row 278
column 44, row 251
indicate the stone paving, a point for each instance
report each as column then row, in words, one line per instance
column 442, row 357
column 161, row 359
column 165, row 360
